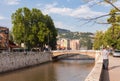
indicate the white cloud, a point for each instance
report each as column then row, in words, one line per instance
column 81, row 12
column 84, row 12
column 1, row 17
column 12, row 2
column 61, row 25
column 117, row 3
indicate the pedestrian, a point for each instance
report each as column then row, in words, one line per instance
column 46, row 49
column 105, row 54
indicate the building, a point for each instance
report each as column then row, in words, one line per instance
column 63, row 44
column 4, row 37
column 75, row 44
column 67, row 44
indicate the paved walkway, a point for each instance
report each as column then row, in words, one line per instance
column 113, row 74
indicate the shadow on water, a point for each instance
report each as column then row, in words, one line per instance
column 73, row 57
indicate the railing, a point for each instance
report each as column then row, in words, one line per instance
column 95, row 74
column 84, row 52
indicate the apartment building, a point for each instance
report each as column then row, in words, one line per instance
column 67, row 44
column 63, row 44
column 75, row 44
column 4, row 37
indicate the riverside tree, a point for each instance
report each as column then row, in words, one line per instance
column 33, row 28
column 110, row 37
column 113, row 33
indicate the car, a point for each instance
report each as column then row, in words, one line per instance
column 116, row 53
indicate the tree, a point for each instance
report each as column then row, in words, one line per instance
column 52, row 34
column 112, row 35
column 114, row 19
column 33, row 28
column 96, row 2
column 99, row 40
column 113, row 40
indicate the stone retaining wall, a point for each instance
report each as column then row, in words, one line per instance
column 12, row 61
column 95, row 74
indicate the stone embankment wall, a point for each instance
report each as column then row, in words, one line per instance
column 95, row 74
column 13, row 61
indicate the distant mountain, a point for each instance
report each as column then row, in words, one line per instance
column 63, row 30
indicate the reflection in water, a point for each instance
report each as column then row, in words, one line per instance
column 63, row 70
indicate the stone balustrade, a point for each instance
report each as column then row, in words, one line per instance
column 95, row 74
column 12, row 61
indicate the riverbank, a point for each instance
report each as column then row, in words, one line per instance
column 61, row 70
column 13, row 61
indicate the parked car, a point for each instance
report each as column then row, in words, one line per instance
column 116, row 53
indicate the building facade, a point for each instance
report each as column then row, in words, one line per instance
column 75, row 44
column 67, row 44
column 63, row 44
column 4, row 38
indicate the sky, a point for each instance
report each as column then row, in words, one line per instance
column 66, row 14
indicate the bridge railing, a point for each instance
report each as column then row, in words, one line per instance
column 91, row 53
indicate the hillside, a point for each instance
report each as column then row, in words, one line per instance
column 61, row 31
column 86, row 38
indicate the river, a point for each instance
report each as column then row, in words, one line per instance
column 62, row 70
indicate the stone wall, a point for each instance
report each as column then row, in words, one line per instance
column 12, row 61
column 95, row 74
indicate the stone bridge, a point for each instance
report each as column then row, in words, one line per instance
column 95, row 74
column 91, row 53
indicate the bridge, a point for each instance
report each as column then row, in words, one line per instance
column 90, row 53
column 95, row 74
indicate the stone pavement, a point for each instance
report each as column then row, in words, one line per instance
column 113, row 74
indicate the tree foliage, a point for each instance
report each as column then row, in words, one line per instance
column 98, row 40
column 33, row 28
column 112, row 35
column 114, row 31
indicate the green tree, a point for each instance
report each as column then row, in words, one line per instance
column 113, row 40
column 113, row 33
column 99, row 40
column 52, row 34
column 33, row 28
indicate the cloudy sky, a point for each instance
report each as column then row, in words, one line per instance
column 66, row 14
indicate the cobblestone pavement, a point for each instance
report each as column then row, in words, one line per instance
column 113, row 74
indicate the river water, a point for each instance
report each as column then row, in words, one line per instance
column 62, row 70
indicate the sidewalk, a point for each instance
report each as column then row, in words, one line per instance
column 113, row 74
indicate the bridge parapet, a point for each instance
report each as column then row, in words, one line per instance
column 91, row 53
column 95, row 74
